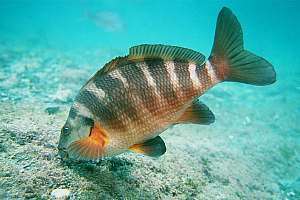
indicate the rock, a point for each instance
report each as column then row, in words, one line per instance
column 48, row 156
column 52, row 110
column 60, row 194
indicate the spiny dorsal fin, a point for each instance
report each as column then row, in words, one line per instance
column 165, row 52
column 154, row 147
column 197, row 113
column 112, row 65
column 153, row 51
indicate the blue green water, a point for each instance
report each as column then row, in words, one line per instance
column 48, row 49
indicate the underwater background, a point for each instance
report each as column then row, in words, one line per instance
column 49, row 49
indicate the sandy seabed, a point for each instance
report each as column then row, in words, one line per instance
column 252, row 151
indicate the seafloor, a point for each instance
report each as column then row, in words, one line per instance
column 252, row 151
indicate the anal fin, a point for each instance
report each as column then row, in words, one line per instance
column 197, row 113
column 154, row 147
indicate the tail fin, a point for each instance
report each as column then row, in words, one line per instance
column 231, row 61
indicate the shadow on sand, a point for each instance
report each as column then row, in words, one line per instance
column 109, row 178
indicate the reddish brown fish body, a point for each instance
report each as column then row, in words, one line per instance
column 132, row 99
column 139, row 99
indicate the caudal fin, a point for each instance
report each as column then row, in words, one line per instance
column 231, row 61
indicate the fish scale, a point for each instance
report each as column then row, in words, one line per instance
column 140, row 90
column 159, row 73
column 136, row 112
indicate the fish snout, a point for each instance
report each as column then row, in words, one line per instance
column 62, row 152
column 62, row 147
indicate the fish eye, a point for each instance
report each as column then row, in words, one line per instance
column 66, row 130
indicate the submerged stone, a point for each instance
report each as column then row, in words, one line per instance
column 60, row 194
column 52, row 110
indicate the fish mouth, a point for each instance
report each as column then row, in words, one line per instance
column 63, row 154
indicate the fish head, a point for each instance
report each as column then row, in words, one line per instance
column 82, row 138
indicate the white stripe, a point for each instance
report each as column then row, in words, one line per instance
column 170, row 66
column 211, row 72
column 149, row 78
column 98, row 92
column 82, row 110
column 193, row 76
column 116, row 74
column 160, row 98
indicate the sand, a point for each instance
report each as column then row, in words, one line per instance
column 252, row 151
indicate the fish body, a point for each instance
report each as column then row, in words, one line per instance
column 139, row 100
column 129, row 102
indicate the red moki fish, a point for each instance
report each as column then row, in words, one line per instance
column 128, row 103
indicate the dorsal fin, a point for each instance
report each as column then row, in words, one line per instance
column 145, row 51
column 113, row 64
column 165, row 52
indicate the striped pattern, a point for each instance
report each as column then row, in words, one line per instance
column 205, row 77
column 101, row 110
column 211, row 73
column 170, row 66
column 80, row 115
column 116, row 108
column 118, row 97
column 98, row 92
column 139, row 87
column 117, row 75
column 163, row 81
column 80, row 108
column 194, row 77
column 144, row 96
column 148, row 77
column 184, row 79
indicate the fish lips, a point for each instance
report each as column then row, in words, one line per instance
column 63, row 154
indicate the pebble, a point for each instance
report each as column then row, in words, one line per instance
column 291, row 194
column 60, row 194
column 48, row 156
column 248, row 120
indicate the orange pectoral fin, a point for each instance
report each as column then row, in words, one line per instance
column 92, row 147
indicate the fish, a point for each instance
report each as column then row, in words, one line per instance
column 130, row 101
